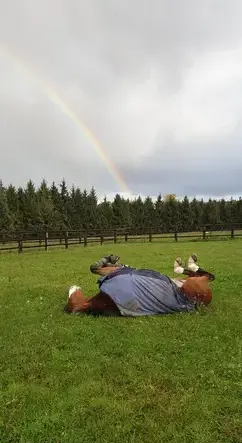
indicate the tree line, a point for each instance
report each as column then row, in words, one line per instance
column 55, row 208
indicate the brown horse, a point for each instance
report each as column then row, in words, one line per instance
column 194, row 289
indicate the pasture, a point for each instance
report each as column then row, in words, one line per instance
column 80, row 379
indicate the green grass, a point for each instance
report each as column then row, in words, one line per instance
column 86, row 379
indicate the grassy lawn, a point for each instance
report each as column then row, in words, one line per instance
column 86, row 379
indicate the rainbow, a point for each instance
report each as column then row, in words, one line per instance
column 62, row 105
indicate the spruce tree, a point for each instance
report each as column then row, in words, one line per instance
column 56, row 201
column 197, row 214
column 32, row 219
column 6, row 224
column 46, row 206
column 149, row 214
column 172, row 214
column 12, row 200
column 210, row 214
column 118, row 212
column 137, row 214
column 186, row 215
column 159, row 221
column 64, row 207
column 239, row 211
column 91, row 209
column 105, row 215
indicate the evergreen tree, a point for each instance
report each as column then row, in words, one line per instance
column 55, row 196
column 118, row 220
column 78, row 221
column 186, row 215
column 197, row 214
column 149, row 213
column 56, row 201
column 31, row 218
column 137, row 214
column 91, row 209
column 55, row 209
column 210, row 214
column 72, row 209
column 5, row 214
column 105, row 215
column 64, row 206
column 46, row 206
column 172, row 215
column 127, row 217
column 239, row 211
column 232, row 211
column 21, row 209
column 159, row 220
column 12, row 201
column 84, row 209
column 223, row 211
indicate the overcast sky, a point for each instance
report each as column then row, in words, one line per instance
column 158, row 83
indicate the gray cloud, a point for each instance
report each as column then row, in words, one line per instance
column 185, row 170
column 158, row 84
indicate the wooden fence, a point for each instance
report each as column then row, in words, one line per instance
column 26, row 240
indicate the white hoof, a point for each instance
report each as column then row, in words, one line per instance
column 178, row 269
column 192, row 265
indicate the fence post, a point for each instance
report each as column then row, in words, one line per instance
column 150, row 236
column 20, row 244
column 66, row 239
column 101, row 239
column 204, row 235
column 46, row 240
column 126, row 237
column 115, row 236
column 80, row 238
column 232, row 233
column 176, row 236
column 85, row 239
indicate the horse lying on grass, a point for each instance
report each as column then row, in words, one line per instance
column 127, row 291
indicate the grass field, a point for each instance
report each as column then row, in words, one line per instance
column 69, row 379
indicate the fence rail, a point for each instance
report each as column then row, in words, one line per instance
column 20, row 241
